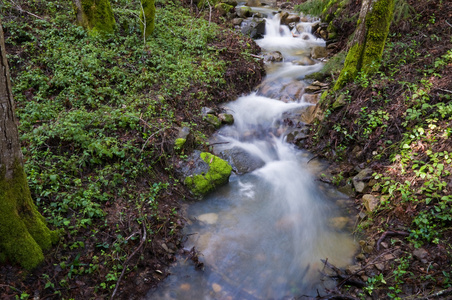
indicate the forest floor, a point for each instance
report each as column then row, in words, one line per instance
column 398, row 124
column 98, row 119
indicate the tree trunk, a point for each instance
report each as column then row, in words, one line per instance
column 23, row 232
column 366, row 48
column 95, row 15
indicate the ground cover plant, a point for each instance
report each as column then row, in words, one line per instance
column 98, row 118
column 398, row 122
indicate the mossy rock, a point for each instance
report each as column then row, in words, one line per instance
column 213, row 120
column 179, row 143
column 218, row 174
column 223, row 8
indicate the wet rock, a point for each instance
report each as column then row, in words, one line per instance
column 185, row 287
column 207, row 111
column 370, row 202
column 311, row 98
column 339, row 223
column 254, row 3
column 209, row 218
column 213, row 120
column 226, row 118
column 273, row 56
column 287, row 18
column 241, row 160
column 237, row 21
column 360, row 256
column 305, row 61
column 347, row 189
column 319, row 52
column 313, row 89
column 360, row 181
column 216, row 287
column 344, row 203
column 253, row 28
column 243, row 12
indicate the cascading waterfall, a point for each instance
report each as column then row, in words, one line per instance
column 263, row 235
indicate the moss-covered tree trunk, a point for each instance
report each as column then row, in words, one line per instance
column 366, row 48
column 95, row 15
column 147, row 17
column 23, row 232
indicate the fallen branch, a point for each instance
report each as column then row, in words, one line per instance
column 391, row 233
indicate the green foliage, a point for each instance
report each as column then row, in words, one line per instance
column 402, row 10
column 96, row 114
column 312, row 7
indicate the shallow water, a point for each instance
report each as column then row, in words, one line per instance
column 263, row 235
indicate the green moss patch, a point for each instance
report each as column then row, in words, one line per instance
column 218, row 174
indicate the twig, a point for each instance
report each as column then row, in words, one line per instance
column 383, row 236
column 448, row 23
column 444, row 90
column 446, row 292
column 124, row 267
column 27, row 12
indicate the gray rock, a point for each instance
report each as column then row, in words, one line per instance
column 360, row 181
column 241, row 160
column 237, row 21
column 273, row 56
column 207, row 111
column 254, row 28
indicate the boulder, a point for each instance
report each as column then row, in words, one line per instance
column 241, row 160
column 254, row 28
column 319, row 52
column 223, row 8
column 212, row 172
column 273, row 56
column 226, row 118
column 213, row 120
column 243, row 11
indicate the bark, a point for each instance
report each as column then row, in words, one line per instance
column 366, row 48
column 23, row 232
column 147, row 17
column 95, row 15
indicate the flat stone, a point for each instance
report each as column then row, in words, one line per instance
column 216, row 287
column 209, row 218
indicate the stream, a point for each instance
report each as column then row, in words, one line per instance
column 263, row 235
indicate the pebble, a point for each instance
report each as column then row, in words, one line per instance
column 216, row 287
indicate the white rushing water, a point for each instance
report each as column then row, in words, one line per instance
column 263, row 235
